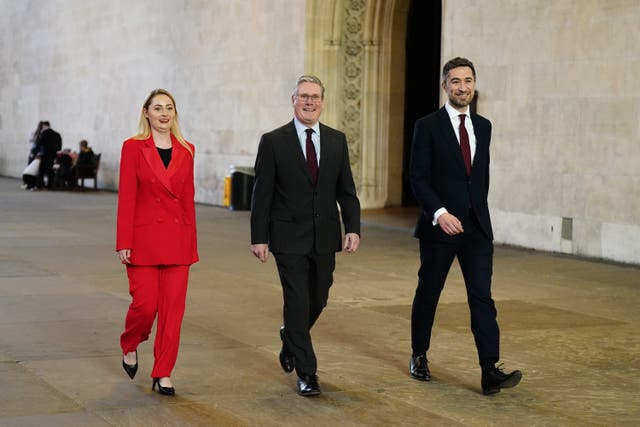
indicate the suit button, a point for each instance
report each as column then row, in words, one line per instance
column 157, row 199
column 159, row 220
column 153, row 180
column 176, row 220
column 316, row 215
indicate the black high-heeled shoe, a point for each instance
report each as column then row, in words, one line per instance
column 167, row 391
column 130, row 369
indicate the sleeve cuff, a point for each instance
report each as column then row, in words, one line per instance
column 437, row 214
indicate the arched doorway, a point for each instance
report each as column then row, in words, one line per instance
column 359, row 48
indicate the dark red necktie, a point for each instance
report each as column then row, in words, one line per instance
column 464, row 145
column 312, row 160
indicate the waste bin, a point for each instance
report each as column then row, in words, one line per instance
column 241, row 187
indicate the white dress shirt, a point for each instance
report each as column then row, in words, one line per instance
column 454, row 116
column 302, row 137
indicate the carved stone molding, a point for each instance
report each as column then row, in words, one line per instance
column 357, row 46
column 352, row 49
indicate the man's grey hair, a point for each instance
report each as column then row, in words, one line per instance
column 308, row 79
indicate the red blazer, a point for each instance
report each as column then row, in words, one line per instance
column 156, row 210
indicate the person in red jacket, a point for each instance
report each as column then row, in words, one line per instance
column 156, row 234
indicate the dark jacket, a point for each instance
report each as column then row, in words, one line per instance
column 438, row 175
column 49, row 143
column 287, row 211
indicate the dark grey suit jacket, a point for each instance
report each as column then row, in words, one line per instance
column 287, row 211
column 438, row 175
column 49, row 143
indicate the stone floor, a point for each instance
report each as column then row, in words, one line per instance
column 571, row 325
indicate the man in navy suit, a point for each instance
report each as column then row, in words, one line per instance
column 449, row 174
column 302, row 169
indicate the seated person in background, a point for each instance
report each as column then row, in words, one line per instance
column 64, row 176
column 85, row 156
column 30, row 174
column 85, row 162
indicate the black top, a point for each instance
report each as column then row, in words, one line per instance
column 165, row 155
column 86, row 158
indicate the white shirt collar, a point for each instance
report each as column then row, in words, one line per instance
column 301, row 127
column 453, row 113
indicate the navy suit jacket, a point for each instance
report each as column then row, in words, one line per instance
column 287, row 211
column 439, row 178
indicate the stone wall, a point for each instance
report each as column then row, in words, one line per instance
column 557, row 79
column 86, row 66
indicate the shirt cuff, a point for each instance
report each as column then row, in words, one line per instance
column 437, row 214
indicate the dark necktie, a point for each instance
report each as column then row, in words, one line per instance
column 464, row 145
column 312, row 160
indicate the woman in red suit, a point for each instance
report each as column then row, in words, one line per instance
column 156, row 234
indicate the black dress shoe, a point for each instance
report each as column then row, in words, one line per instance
column 167, row 391
column 419, row 368
column 286, row 358
column 130, row 369
column 308, row 385
column 495, row 379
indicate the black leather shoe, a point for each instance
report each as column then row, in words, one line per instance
column 131, row 369
column 495, row 379
column 308, row 385
column 286, row 358
column 167, row 391
column 419, row 368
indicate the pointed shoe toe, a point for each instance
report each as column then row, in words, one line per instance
column 130, row 369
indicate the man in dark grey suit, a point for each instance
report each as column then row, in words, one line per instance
column 49, row 143
column 302, row 169
column 449, row 174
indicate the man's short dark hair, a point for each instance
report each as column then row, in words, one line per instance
column 455, row 63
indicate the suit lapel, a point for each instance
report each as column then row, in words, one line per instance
column 325, row 151
column 177, row 156
column 482, row 144
column 450, row 137
column 154, row 161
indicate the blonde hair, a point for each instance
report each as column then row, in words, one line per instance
column 145, row 128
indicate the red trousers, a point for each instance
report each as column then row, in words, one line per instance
column 161, row 290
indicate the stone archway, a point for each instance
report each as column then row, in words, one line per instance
column 358, row 48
